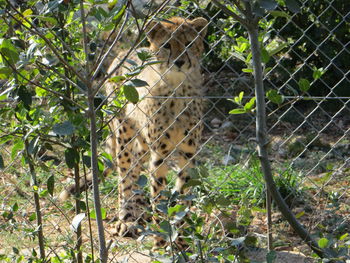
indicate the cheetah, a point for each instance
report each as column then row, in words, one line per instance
column 166, row 121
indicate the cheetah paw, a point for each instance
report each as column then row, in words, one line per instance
column 127, row 229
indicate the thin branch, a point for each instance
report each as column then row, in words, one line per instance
column 111, row 73
column 64, row 44
column 41, row 65
column 109, row 51
column 136, row 22
column 101, row 53
column 39, row 86
column 85, row 40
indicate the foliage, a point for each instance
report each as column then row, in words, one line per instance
column 50, row 54
column 320, row 18
column 286, row 48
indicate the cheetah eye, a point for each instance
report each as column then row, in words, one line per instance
column 167, row 46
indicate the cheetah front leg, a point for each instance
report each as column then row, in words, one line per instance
column 185, row 161
column 131, row 204
column 158, row 169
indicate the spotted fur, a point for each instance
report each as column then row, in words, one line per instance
column 158, row 125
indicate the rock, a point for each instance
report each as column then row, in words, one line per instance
column 216, row 122
column 227, row 126
column 228, row 159
column 296, row 146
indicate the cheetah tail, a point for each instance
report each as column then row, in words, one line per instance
column 83, row 186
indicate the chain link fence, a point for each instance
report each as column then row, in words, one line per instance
column 306, row 65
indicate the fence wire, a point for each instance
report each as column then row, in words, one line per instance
column 309, row 147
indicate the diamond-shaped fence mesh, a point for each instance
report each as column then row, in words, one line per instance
column 222, row 214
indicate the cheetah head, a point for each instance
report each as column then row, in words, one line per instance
column 178, row 42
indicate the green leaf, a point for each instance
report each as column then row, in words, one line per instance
column 43, row 193
column 165, row 226
column 300, row 214
column 40, row 92
column 193, row 182
column 64, row 128
column 293, row 6
column 117, row 79
column 238, row 111
column 137, row 83
column 344, row 236
column 32, row 146
column 277, row 49
column 93, row 46
column 50, row 184
column 174, row 209
column 118, row 13
column 9, row 51
column 32, row 217
column 247, row 70
column 3, row 97
column 87, row 160
column 162, row 208
column 257, row 9
column 72, row 157
column 238, row 56
column 268, row 4
column 318, row 72
column 48, row 19
column 239, row 98
column 25, row 96
column 27, row 12
column 5, row 72
column 144, row 55
column 276, row 13
column 304, row 85
column 103, row 213
column 271, row 256
column 15, row 207
column 82, row 205
column 274, row 97
column 131, row 93
column 265, row 57
column 223, row 201
column 142, row 181
column 2, row 166
column 17, row 147
column 76, row 221
column 323, row 242
column 249, row 106
column 133, row 73
column 237, row 241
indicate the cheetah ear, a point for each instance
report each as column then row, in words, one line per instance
column 152, row 29
column 200, row 25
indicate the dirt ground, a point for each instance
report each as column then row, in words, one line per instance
column 258, row 255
